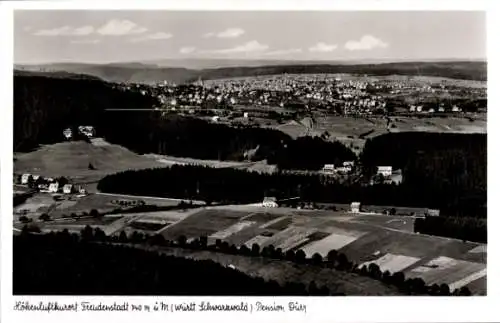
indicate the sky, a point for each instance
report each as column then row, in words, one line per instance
column 99, row 36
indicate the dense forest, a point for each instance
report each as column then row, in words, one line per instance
column 64, row 264
column 442, row 168
column 44, row 107
column 464, row 228
column 238, row 186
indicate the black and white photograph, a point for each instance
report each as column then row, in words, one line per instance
column 249, row 153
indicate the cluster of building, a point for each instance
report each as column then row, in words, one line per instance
column 50, row 185
column 346, row 168
column 340, row 94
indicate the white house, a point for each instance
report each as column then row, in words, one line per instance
column 215, row 118
column 455, row 108
column 67, row 133
column 269, row 202
column 67, row 189
column 355, row 206
column 25, row 178
column 245, row 115
column 329, row 168
column 419, row 108
column 432, row 212
column 54, row 187
column 385, row 171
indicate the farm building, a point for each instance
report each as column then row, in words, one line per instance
column 54, row 187
column 269, row 202
column 82, row 190
column 432, row 212
column 67, row 189
column 67, row 133
column 329, row 168
column 385, row 171
column 25, row 178
column 355, row 206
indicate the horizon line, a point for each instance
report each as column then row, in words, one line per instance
column 356, row 61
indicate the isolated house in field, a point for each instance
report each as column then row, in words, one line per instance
column 269, row 202
column 67, row 189
column 25, row 178
column 53, row 187
column 329, row 168
column 68, row 133
column 455, row 109
column 432, row 212
column 355, row 207
column 385, row 171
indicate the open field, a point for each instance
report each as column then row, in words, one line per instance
column 284, row 271
column 167, row 161
column 353, row 131
column 71, row 159
column 205, row 222
column 385, row 240
column 36, row 205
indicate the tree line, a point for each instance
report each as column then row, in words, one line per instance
column 334, row 260
column 463, row 228
column 226, row 185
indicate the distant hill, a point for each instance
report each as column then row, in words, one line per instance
column 154, row 72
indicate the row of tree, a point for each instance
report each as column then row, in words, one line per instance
column 464, row 228
column 238, row 186
column 66, row 264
